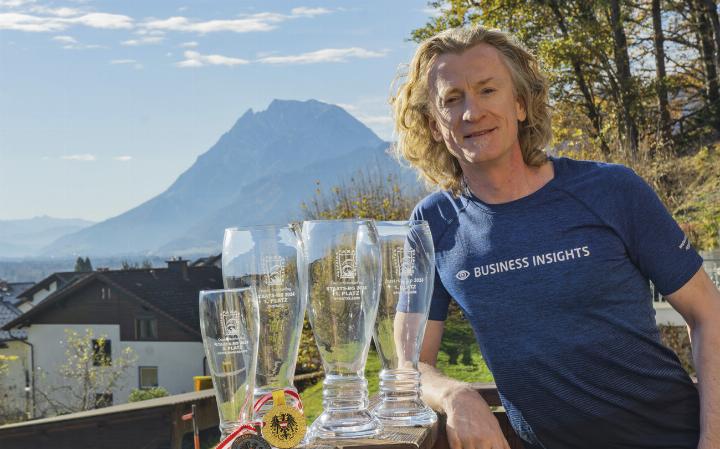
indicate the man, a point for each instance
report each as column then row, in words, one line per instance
column 549, row 258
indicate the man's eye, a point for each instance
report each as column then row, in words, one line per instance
column 488, row 90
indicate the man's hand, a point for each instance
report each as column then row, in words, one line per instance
column 470, row 422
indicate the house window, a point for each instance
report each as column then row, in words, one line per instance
column 102, row 352
column 148, row 377
column 103, row 400
column 146, row 328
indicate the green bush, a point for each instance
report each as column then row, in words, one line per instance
column 137, row 395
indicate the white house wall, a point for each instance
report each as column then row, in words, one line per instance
column 177, row 362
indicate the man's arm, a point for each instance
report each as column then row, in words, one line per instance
column 470, row 423
column 698, row 301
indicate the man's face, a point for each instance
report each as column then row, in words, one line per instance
column 474, row 109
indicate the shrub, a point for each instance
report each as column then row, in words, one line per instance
column 137, row 395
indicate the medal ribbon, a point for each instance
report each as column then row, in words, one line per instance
column 280, row 400
column 236, row 433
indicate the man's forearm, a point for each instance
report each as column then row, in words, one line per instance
column 437, row 388
column 705, row 338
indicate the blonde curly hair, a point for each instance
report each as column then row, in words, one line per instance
column 412, row 104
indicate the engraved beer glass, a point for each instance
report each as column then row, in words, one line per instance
column 266, row 258
column 229, row 322
column 408, row 258
column 342, row 259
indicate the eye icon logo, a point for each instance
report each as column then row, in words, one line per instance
column 462, row 275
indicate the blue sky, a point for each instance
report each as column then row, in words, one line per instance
column 104, row 103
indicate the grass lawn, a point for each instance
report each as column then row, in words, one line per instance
column 312, row 396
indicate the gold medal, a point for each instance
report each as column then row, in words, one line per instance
column 283, row 426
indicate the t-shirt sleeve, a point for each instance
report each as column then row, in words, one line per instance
column 655, row 242
column 440, row 300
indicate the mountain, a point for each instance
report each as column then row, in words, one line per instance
column 260, row 171
column 21, row 238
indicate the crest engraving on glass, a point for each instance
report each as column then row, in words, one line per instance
column 274, row 268
column 345, row 264
column 404, row 261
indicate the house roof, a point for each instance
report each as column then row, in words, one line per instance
column 204, row 261
column 172, row 292
column 10, row 291
column 8, row 312
column 63, row 279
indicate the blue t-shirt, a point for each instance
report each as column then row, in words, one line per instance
column 555, row 286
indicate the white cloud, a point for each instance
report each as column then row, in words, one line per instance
column 32, row 23
column 79, row 157
column 191, row 44
column 325, row 55
column 263, row 21
column 104, row 20
column 65, row 39
column 132, row 62
column 15, row 3
column 432, row 12
column 122, row 158
column 143, row 32
column 25, row 22
column 348, row 107
column 146, row 40
column 303, row 11
column 60, row 12
column 195, row 59
column 376, row 119
column 244, row 25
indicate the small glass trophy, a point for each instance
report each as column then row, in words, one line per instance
column 229, row 321
column 342, row 259
column 408, row 258
column 266, row 258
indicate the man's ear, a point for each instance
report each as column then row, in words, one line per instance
column 520, row 110
column 434, row 129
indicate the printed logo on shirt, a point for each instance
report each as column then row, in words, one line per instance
column 559, row 256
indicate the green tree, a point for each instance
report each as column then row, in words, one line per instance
column 368, row 194
column 83, row 265
column 10, row 410
column 613, row 96
column 90, row 370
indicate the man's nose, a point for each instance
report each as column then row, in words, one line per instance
column 473, row 109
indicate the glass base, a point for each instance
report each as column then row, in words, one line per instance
column 405, row 414
column 344, row 425
column 345, row 410
column 400, row 403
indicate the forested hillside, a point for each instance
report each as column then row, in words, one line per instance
column 634, row 82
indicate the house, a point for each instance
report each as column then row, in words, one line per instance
column 35, row 293
column 154, row 312
column 13, row 388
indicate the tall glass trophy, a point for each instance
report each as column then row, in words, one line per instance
column 229, row 321
column 266, row 258
column 408, row 271
column 342, row 258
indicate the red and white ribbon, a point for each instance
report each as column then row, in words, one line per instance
column 245, row 428
column 266, row 397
